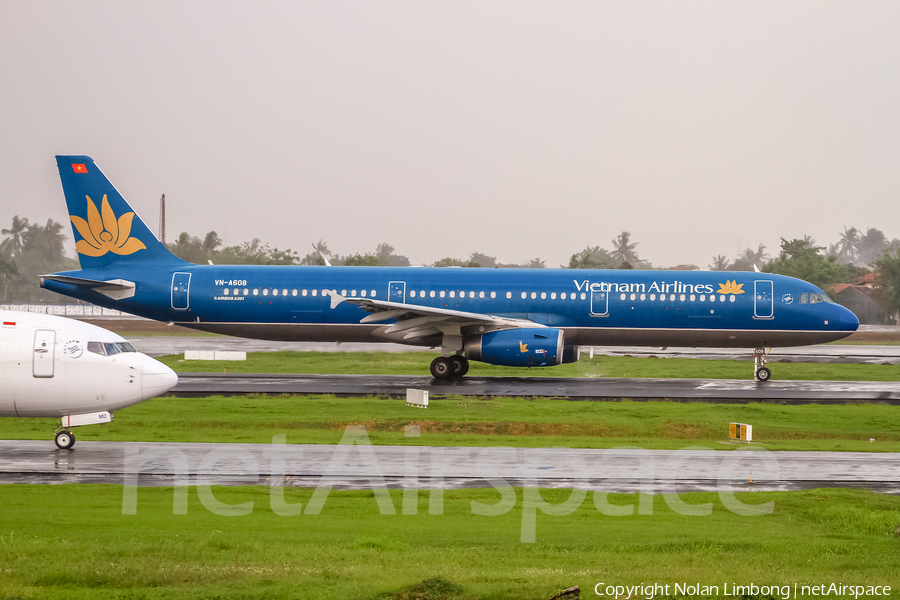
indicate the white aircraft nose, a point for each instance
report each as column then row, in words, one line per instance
column 156, row 378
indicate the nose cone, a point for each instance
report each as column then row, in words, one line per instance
column 847, row 320
column 156, row 378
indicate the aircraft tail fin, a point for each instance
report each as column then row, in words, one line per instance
column 106, row 228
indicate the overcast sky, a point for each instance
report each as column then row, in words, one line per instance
column 517, row 129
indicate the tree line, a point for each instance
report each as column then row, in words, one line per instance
column 32, row 249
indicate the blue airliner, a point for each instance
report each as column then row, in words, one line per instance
column 514, row 317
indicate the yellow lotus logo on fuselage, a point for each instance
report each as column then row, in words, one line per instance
column 103, row 233
column 731, row 287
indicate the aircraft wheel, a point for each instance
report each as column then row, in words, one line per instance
column 441, row 368
column 763, row 374
column 460, row 365
column 65, row 440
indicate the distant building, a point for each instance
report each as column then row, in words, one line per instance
column 860, row 297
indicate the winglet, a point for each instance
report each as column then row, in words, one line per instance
column 336, row 298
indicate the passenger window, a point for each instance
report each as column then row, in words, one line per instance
column 702, row 297
column 256, row 292
column 274, row 292
column 353, row 293
column 553, row 295
column 621, row 296
column 303, row 293
column 314, row 292
column 481, row 294
column 681, row 297
column 563, row 295
column 373, row 293
column 225, row 292
column 672, row 297
column 643, row 297
column 693, row 297
column 543, row 295
column 362, row 293
column 412, row 293
column 431, row 293
column 652, row 297
column 452, row 294
column 246, row 291
column 583, row 296
column 524, row 295
column 533, row 295
column 284, row 292
column 442, row 293
column 509, row 295
column 266, row 292
column 471, row 294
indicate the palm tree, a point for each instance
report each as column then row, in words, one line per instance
column 623, row 252
column 47, row 241
column 849, row 244
column 19, row 226
column 719, row 263
column 871, row 245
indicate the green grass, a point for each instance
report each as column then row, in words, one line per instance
column 417, row 363
column 468, row 421
column 73, row 542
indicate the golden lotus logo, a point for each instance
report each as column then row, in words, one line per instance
column 103, row 233
column 731, row 287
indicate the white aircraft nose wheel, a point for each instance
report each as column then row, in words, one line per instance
column 65, row 440
column 763, row 374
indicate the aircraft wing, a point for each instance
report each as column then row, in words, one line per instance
column 421, row 321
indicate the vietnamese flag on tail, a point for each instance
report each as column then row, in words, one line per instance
column 80, row 168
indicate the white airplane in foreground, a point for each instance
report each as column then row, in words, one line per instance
column 56, row 367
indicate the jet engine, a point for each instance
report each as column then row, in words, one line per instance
column 538, row 347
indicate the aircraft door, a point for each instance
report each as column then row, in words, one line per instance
column 763, row 305
column 181, row 285
column 44, row 344
column 599, row 303
column 397, row 291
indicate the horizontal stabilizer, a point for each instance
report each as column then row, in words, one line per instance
column 117, row 289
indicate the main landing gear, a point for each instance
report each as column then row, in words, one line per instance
column 759, row 367
column 449, row 367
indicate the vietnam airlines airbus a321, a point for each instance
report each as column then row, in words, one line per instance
column 514, row 317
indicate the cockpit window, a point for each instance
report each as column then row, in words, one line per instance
column 814, row 298
column 109, row 348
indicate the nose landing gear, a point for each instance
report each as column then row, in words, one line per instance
column 760, row 370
